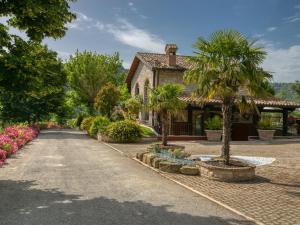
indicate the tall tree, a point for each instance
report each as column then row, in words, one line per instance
column 223, row 65
column 39, row 19
column 31, row 78
column 33, row 84
column 165, row 101
column 88, row 72
column 107, row 98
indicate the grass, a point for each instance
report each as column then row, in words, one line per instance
column 147, row 132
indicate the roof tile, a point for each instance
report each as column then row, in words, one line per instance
column 159, row 61
column 270, row 102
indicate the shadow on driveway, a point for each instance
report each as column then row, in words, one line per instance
column 22, row 204
column 65, row 134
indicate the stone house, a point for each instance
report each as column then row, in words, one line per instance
column 148, row 70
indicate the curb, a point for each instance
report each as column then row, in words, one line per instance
column 187, row 187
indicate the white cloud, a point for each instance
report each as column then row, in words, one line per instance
column 82, row 22
column 83, row 17
column 258, row 35
column 135, row 10
column 129, row 34
column 63, row 55
column 294, row 18
column 270, row 29
column 123, row 31
column 99, row 25
column 132, row 7
column 126, row 65
column 282, row 62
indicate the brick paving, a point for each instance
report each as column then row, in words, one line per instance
column 272, row 198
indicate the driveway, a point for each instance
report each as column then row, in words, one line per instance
column 65, row 177
column 273, row 197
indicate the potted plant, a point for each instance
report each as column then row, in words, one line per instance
column 265, row 129
column 214, row 129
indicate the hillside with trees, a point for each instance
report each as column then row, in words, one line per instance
column 286, row 91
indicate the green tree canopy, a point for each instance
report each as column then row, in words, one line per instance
column 296, row 87
column 88, row 72
column 268, row 87
column 39, row 19
column 132, row 107
column 165, row 101
column 224, row 65
column 32, row 82
column 106, row 99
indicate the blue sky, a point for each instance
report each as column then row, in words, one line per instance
column 147, row 25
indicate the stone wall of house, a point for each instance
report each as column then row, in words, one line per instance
column 174, row 77
column 142, row 76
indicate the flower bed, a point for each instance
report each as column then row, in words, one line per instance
column 170, row 158
column 13, row 138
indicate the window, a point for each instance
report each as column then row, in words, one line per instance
column 146, row 90
column 137, row 89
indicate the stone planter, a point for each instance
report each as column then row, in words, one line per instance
column 155, row 162
column 213, row 135
column 140, row 155
column 242, row 172
column 169, row 167
column 266, row 135
column 190, row 170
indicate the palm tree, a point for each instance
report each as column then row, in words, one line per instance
column 165, row 101
column 225, row 66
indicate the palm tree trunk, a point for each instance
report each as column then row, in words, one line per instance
column 227, row 113
column 165, row 128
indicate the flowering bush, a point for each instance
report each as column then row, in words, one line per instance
column 2, row 157
column 13, row 138
column 8, row 144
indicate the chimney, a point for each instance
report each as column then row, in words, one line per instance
column 170, row 50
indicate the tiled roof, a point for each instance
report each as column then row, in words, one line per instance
column 266, row 102
column 159, row 61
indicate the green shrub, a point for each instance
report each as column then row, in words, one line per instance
column 98, row 125
column 124, row 131
column 79, row 120
column 133, row 107
column 86, row 123
column 72, row 123
column 214, row 123
column 266, row 124
column 118, row 114
column 147, row 132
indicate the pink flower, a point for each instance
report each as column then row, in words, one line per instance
column 8, row 144
column 2, row 156
column 13, row 138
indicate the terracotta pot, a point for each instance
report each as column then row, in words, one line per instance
column 213, row 135
column 266, row 135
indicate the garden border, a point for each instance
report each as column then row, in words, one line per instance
column 185, row 186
